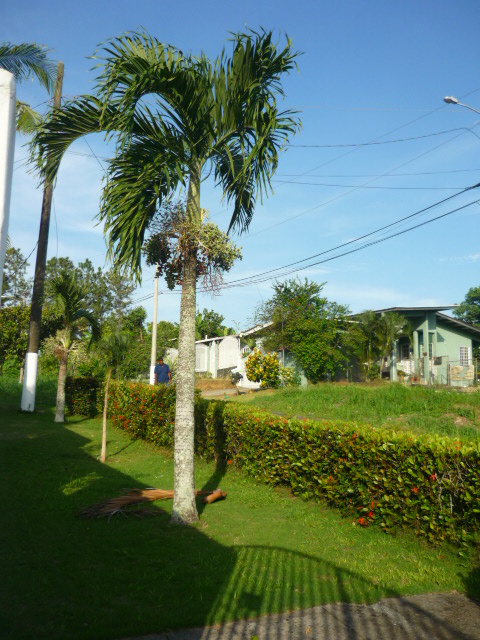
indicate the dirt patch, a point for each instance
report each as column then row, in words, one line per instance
column 214, row 384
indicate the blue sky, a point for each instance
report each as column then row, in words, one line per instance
column 371, row 72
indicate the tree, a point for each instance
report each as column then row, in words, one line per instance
column 113, row 346
column 24, row 61
column 175, row 117
column 469, row 309
column 121, row 288
column 210, row 323
column 307, row 324
column 390, row 327
column 16, row 288
column 14, row 333
column 69, row 302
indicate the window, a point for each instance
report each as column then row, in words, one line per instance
column 405, row 351
column 464, row 359
column 430, row 349
column 246, row 350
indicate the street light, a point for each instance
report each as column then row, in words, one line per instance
column 453, row 100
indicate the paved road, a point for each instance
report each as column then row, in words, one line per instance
column 440, row 616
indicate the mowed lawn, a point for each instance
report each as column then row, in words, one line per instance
column 434, row 410
column 259, row 551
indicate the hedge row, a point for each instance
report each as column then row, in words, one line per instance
column 395, row 480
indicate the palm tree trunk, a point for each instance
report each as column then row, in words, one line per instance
column 103, row 454
column 62, row 376
column 184, row 506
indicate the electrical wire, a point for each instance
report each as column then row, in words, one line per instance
column 268, row 275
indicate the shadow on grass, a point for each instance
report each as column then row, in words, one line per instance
column 65, row 577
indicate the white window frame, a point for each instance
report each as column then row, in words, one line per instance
column 464, row 356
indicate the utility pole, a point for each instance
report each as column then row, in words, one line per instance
column 153, row 354
column 31, row 358
column 7, row 147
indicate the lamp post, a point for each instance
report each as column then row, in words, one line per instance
column 453, row 100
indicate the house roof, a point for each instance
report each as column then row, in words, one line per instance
column 453, row 322
column 403, row 309
column 469, row 328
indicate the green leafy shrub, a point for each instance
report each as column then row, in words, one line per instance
column 390, row 479
column 394, row 480
column 81, row 395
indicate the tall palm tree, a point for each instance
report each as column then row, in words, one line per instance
column 23, row 61
column 69, row 300
column 174, row 118
column 390, row 327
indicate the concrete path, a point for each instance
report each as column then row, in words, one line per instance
column 439, row 616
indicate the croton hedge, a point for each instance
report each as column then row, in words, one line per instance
column 394, row 480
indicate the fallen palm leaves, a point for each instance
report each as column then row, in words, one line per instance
column 127, row 505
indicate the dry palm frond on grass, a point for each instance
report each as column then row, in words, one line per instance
column 126, row 505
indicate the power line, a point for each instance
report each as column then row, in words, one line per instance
column 268, row 275
column 354, row 186
column 373, row 143
column 351, row 190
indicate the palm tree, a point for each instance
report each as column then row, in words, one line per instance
column 390, row 327
column 175, row 117
column 23, row 61
column 69, row 299
column 113, row 348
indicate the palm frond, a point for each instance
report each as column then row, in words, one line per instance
column 140, row 178
column 27, row 59
column 27, row 118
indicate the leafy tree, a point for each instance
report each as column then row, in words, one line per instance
column 200, row 116
column 391, row 326
column 69, row 302
column 24, row 61
column 16, row 288
column 469, row 309
column 210, row 323
column 121, row 288
column 14, row 323
column 307, row 324
column 364, row 339
column 99, row 297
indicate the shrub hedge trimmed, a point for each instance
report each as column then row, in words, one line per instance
column 394, row 480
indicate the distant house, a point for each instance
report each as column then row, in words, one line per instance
column 220, row 356
column 441, row 350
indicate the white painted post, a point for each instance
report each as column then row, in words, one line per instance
column 7, row 147
column 153, row 353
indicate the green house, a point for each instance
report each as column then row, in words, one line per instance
column 441, row 350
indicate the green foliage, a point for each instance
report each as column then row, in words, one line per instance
column 82, row 395
column 392, row 480
column 209, row 323
column 469, row 309
column 309, row 325
column 221, row 115
column 289, row 377
column 263, row 368
column 14, row 323
column 16, row 288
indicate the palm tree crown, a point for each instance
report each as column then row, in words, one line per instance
column 172, row 115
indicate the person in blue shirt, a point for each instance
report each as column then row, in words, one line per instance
column 162, row 373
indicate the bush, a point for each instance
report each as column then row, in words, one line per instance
column 263, row 368
column 82, row 395
column 394, row 480
column 391, row 479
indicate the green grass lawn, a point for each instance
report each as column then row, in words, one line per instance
column 394, row 406
column 259, row 551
